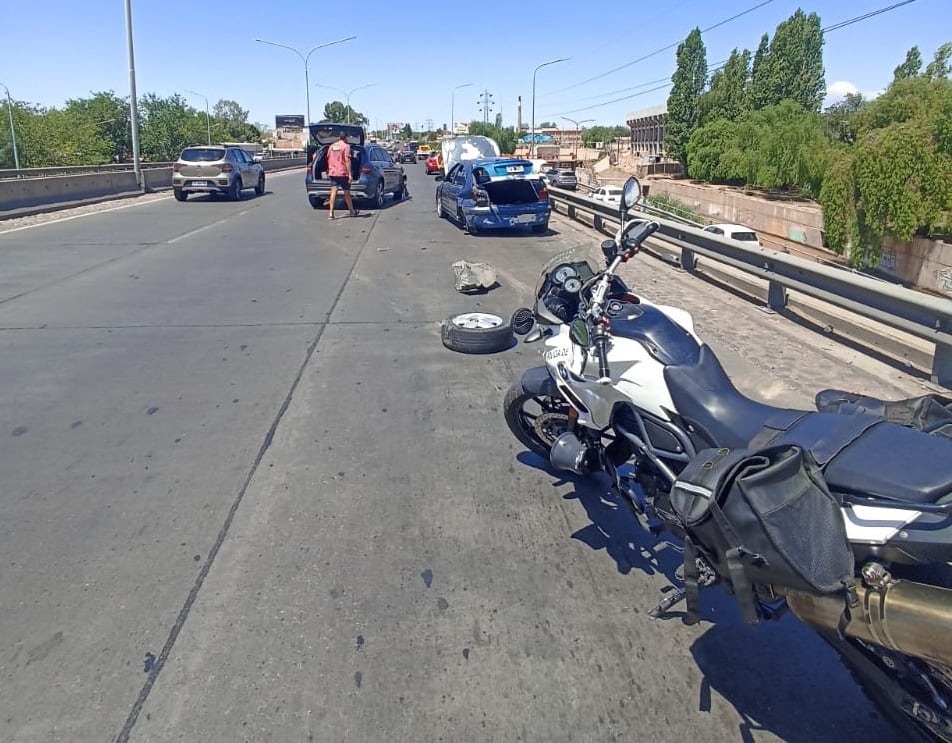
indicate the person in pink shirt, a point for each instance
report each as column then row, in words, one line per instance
column 338, row 172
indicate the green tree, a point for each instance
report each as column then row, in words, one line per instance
column 726, row 96
column 337, row 112
column 759, row 94
column 407, row 132
column 688, row 83
column 107, row 117
column 939, row 67
column 713, row 153
column 168, row 126
column 603, row 134
column 911, row 67
column 232, row 121
column 505, row 137
column 897, row 177
column 841, row 119
column 793, row 67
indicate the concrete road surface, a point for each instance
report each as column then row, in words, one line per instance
column 247, row 495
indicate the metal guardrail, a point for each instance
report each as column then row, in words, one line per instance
column 921, row 315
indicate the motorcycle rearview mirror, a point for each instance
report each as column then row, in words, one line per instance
column 578, row 332
column 630, row 193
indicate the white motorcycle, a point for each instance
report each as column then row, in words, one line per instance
column 841, row 515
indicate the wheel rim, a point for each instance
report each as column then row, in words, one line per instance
column 477, row 321
column 378, row 197
column 543, row 418
column 439, row 207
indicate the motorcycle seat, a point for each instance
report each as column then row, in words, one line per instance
column 860, row 454
column 721, row 415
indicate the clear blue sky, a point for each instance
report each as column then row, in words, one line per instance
column 416, row 53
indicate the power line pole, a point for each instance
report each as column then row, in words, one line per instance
column 486, row 103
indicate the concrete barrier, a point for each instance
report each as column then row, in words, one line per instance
column 20, row 195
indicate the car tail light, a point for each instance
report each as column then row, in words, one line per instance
column 543, row 194
column 481, row 197
column 226, row 168
column 176, row 168
column 366, row 169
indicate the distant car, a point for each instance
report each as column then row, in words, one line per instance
column 608, row 194
column 216, row 170
column 562, row 177
column 434, row 163
column 493, row 193
column 734, row 232
column 423, row 152
column 407, row 156
column 373, row 172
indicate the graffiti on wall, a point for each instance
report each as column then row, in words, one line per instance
column 944, row 279
column 887, row 261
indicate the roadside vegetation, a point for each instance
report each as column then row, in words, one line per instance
column 879, row 168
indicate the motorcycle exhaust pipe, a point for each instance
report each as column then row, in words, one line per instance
column 911, row 618
column 568, row 453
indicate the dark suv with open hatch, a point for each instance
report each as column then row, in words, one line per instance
column 373, row 172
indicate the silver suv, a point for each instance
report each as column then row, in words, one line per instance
column 216, row 169
column 562, row 177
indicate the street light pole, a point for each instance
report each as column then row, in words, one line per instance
column 13, row 134
column 453, row 106
column 346, row 94
column 305, row 58
column 208, row 123
column 538, row 67
column 578, row 129
column 133, row 103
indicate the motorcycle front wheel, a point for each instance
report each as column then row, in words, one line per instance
column 536, row 420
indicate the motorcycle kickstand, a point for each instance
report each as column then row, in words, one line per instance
column 667, row 603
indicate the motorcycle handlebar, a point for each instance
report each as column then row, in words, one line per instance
column 640, row 232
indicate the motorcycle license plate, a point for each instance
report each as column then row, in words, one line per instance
column 199, row 183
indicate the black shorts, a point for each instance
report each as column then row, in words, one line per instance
column 341, row 181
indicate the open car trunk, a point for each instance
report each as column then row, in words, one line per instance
column 319, row 170
column 511, row 192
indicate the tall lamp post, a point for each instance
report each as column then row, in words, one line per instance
column 13, row 134
column 453, row 106
column 346, row 93
column 539, row 67
column 305, row 58
column 133, row 103
column 208, row 122
column 578, row 129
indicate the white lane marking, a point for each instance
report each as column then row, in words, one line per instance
column 202, row 229
column 134, row 202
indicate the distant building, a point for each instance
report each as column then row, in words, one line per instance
column 647, row 131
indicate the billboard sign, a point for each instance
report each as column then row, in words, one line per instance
column 289, row 121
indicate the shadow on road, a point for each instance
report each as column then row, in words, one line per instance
column 780, row 677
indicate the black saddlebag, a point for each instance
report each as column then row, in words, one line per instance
column 762, row 518
column 929, row 413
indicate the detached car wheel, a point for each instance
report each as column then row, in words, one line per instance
column 476, row 332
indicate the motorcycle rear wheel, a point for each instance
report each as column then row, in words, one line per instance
column 536, row 420
column 890, row 693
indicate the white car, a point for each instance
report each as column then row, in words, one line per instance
column 609, row 194
column 734, row 232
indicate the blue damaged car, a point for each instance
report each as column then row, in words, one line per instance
column 493, row 193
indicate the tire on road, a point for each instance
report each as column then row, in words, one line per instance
column 476, row 332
